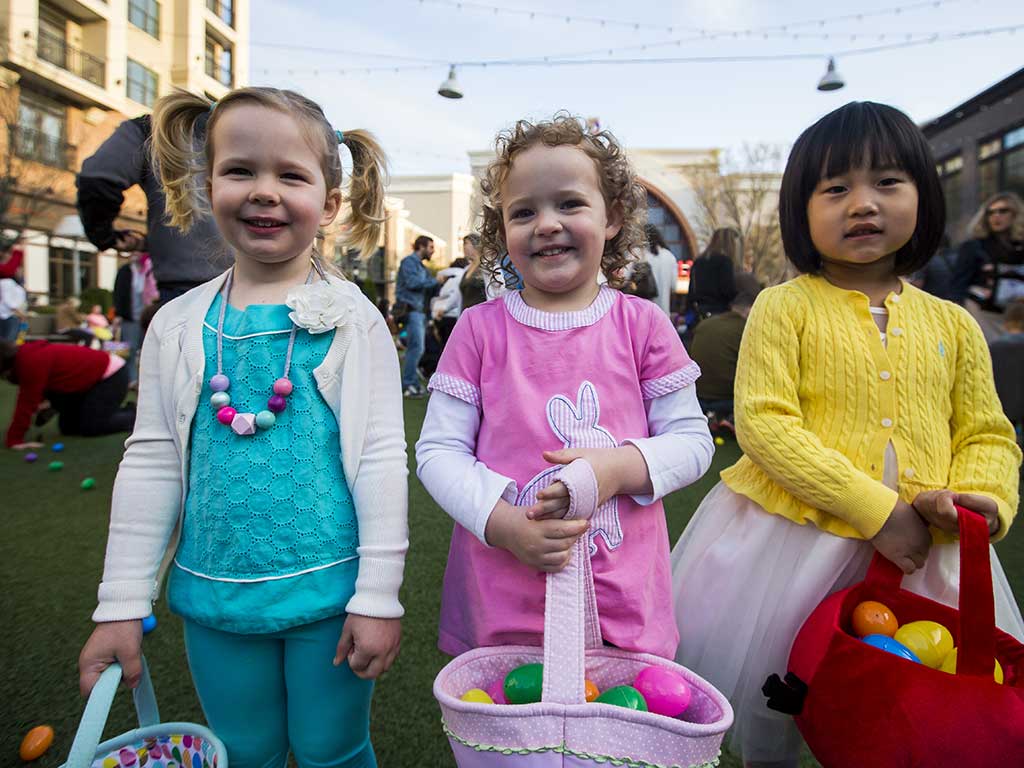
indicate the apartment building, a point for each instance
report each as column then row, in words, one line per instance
column 70, row 72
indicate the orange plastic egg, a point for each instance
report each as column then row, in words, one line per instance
column 36, row 742
column 592, row 691
column 873, row 618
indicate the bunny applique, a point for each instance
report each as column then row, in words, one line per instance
column 576, row 425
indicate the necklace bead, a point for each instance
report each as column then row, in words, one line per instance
column 220, row 399
column 220, row 383
column 265, row 419
column 276, row 403
column 282, row 387
column 226, row 415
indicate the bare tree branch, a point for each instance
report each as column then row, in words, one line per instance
column 742, row 192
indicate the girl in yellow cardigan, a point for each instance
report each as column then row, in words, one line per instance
column 865, row 408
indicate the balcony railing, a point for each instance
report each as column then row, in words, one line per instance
column 53, row 49
column 39, row 147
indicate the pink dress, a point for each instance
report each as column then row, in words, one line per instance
column 545, row 381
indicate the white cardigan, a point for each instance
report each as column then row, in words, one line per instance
column 359, row 379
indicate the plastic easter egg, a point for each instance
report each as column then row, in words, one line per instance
column 496, row 690
column 719, row 441
column 872, row 618
column 930, row 641
column 36, row 742
column 56, row 466
column 949, row 665
column 592, row 691
column 57, row 447
column 523, row 684
column 623, row 696
column 88, row 484
column 886, row 643
column 665, row 690
column 148, row 624
column 476, row 696
column 30, row 457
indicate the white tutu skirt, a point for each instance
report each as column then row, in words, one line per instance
column 745, row 580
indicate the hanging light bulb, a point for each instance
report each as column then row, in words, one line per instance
column 831, row 81
column 450, row 87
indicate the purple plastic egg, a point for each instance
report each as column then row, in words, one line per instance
column 226, row 414
column 496, row 690
column 282, row 387
column 666, row 691
column 276, row 403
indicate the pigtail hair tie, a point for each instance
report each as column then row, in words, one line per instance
column 340, row 136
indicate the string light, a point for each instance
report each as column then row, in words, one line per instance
column 909, row 42
column 638, row 25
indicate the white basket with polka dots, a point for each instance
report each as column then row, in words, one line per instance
column 563, row 729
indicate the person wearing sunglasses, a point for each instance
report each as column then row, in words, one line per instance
column 990, row 265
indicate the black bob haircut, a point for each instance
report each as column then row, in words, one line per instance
column 852, row 136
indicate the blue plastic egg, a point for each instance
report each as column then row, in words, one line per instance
column 57, row 447
column 148, row 624
column 889, row 645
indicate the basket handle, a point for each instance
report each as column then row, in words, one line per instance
column 90, row 727
column 976, row 652
column 571, row 622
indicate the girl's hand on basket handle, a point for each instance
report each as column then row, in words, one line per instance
column 904, row 539
column 111, row 641
column 618, row 470
column 937, row 507
column 984, row 506
column 369, row 644
column 542, row 544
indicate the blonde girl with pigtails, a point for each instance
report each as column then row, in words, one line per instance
column 266, row 473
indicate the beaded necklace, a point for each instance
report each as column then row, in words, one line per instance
column 246, row 424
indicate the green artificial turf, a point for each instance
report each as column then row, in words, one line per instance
column 51, row 558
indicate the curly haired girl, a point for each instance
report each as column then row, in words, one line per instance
column 562, row 369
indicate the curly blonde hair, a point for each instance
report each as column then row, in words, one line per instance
column 619, row 187
column 184, row 157
column 977, row 227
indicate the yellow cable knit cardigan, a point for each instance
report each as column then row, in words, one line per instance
column 818, row 398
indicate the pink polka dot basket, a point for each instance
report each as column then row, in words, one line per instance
column 152, row 745
column 562, row 729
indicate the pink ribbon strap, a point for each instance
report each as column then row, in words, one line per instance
column 571, row 622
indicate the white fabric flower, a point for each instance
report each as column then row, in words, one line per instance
column 319, row 307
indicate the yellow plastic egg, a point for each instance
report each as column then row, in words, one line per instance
column 949, row 665
column 928, row 640
column 592, row 691
column 477, row 696
column 36, row 742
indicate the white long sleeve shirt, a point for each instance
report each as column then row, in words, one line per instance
column 677, row 454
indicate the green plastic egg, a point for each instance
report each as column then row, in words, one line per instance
column 623, row 696
column 523, row 684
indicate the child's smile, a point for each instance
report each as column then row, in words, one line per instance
column 556, row 225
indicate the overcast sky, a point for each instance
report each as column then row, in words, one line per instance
column 664, row 105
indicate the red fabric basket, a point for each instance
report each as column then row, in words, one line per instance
column 866, row 707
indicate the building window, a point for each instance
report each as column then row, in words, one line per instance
column 951, row 178
column 223, row 9
column 62, row 272
column 1001, row 163
column 219, row 62
column 41, row 132
column 145, row 14
column 52, row 46
column 672, row 230
column 142, row 83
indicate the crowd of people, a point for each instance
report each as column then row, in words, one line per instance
column 266, row 472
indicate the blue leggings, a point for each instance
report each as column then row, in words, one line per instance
column 266, row 694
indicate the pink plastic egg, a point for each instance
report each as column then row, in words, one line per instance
column 665, row 690
column 496, row 690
